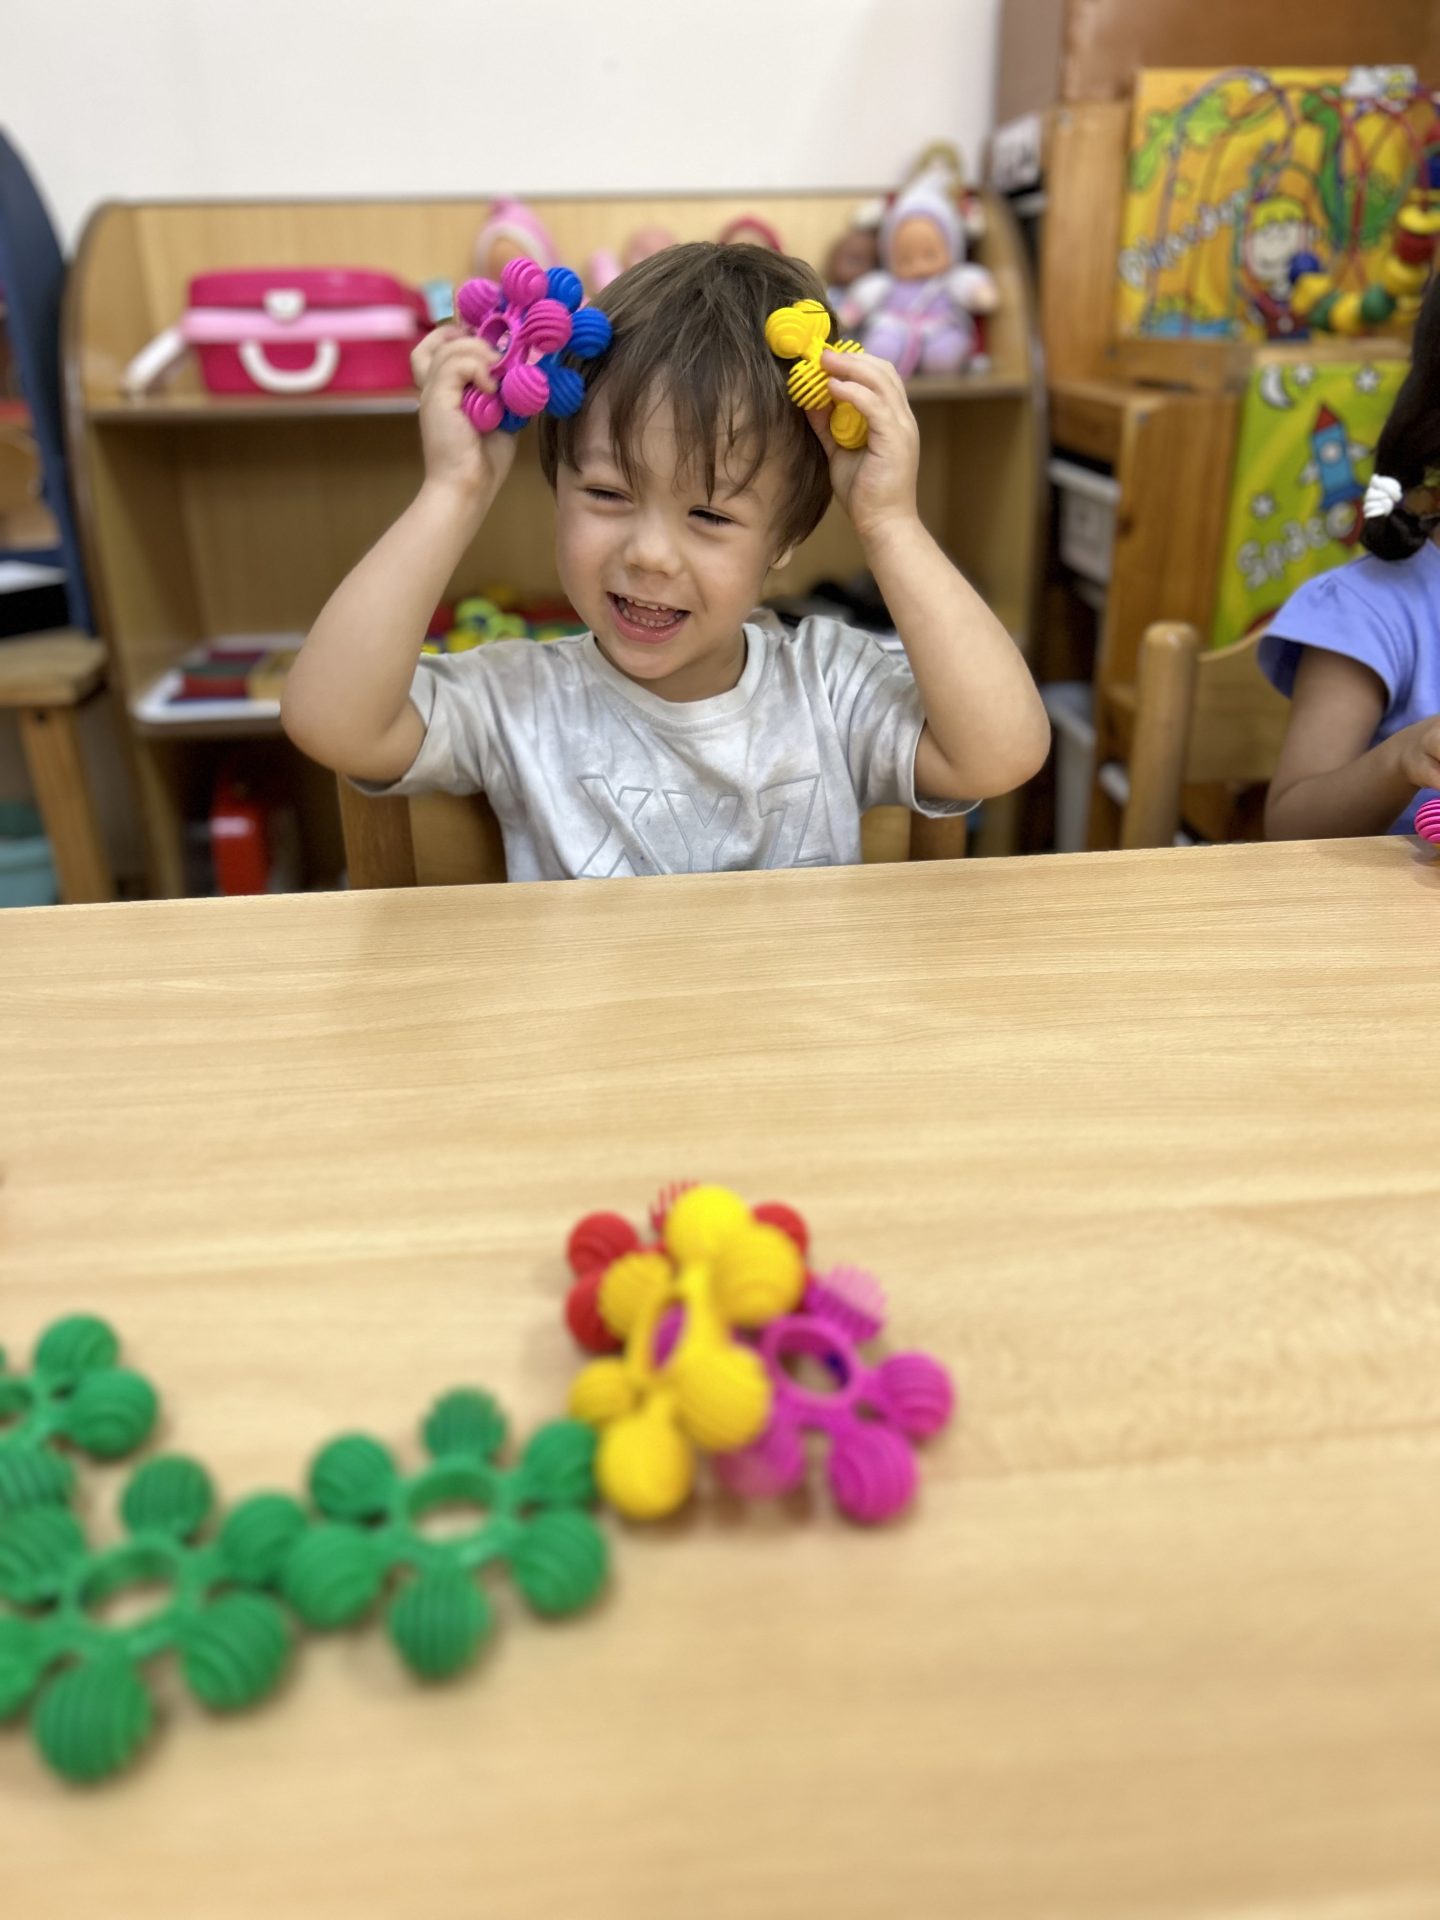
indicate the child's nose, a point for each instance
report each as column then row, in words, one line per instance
column 650, row 548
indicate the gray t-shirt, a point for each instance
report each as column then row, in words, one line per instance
column 591, row 775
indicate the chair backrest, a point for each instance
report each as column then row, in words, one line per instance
column 1200, row 717
column 32, row 274
column 437, row 840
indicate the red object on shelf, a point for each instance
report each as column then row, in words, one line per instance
column 239, row 842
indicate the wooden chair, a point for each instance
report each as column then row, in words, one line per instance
column 1197, row 719
column 437, row 840
column 47, row 679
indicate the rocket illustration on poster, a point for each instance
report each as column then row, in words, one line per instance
column 1304, row 456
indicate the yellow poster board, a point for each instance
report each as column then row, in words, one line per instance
column 1239, row 181
column 1305, row 453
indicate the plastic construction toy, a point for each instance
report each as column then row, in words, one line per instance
column 802, row 333
column 872, row 1415
column 530, row 317
column 531, row 1517
column 1427, row 821
column 683, row 1381
column 75, row 1393
column 83, row 1677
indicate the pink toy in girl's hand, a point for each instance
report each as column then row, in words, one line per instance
column 529, row 317
column 872, row 1414
column 1427, row 821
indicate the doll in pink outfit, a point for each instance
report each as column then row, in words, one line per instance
column 512, row 231
column 918, row 309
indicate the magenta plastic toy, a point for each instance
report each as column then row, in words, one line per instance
column 530, row 317
column 872, row 1415
column 1427, row 821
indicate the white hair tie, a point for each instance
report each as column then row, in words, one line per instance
column 1382, row 496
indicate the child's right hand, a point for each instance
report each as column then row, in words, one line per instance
column 1418, row 751
column 472, row 464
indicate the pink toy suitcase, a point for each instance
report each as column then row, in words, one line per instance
column 303, row 329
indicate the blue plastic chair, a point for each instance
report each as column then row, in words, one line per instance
column 32, row 275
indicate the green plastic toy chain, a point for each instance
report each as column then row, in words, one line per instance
column 84, row 1677
column 532, row 1518
column 75, row 1393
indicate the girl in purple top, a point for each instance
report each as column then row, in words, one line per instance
column 1358, row 650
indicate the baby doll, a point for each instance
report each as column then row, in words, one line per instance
column 918, row 311
column 603, row 266
column 511, row 232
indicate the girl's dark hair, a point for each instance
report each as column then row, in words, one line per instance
column 689, row 328
column 1409, row 443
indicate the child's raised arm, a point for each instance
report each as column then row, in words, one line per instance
column 986, row 730
column 346, row 700
column 1327, row 785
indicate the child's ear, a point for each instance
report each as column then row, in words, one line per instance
column 783, row 559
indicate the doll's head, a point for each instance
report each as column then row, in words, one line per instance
column 921, row 235
column 511, row 232
column 855, row 253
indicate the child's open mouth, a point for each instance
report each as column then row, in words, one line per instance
column 645, row 622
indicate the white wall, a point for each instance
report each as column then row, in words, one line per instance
column 264, row 98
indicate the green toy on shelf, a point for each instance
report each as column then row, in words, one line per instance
column 530, row 1516
column 83, row 1676
column 74, row 1393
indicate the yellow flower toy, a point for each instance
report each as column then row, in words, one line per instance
column 802, row 333
column 671, row 1390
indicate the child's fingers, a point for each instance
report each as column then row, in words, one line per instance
column 460, row 364
column 425, row 355
column 877, row 407
column 820, row 421
column 865, row 370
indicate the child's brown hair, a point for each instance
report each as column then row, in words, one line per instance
column 690, row 330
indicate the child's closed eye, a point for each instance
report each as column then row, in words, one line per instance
column 710, row 517
column 606, row 495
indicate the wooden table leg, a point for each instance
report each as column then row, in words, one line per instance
column 67, row 806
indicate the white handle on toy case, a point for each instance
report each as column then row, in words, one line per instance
column 319, row 373
column 153, row 361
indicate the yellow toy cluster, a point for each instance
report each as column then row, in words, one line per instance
column 719, row 1269
column 802, row 333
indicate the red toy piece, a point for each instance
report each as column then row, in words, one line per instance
column 583, row 1317
column 597, row 1240
column 775, row 1213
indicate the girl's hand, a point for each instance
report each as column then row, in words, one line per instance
column 457, row 458
column 1417, row 751
column 876, row 483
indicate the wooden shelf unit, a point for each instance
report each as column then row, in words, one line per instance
column 203, row 515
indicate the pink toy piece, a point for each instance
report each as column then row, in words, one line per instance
column 871, row 1416
column 1427, row 821
column 528, row 317
column 520, row 321
column 525, row 390
column 476, row 301
column 546, row 327
column 850, row 1297
column 523, row 282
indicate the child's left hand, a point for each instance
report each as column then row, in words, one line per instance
column 876, row 483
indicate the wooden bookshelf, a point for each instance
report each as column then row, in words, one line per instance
column 205, row 515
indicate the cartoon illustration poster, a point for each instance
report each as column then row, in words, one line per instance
column 1303, row 458
column 1241, row 181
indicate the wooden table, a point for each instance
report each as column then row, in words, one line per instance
column 1148, row 1146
